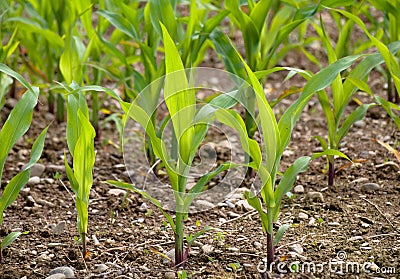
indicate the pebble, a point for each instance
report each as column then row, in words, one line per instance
column 204, row 203
column 207, row 248
column 315, row 196
column 297, row 248
column 21, row 155
column 303, row 216
column 101, row 268
column 244, row 204
column 233, row 214
column 257, row 245
column 355, row 238
column 37, row 169
column 34, row 180
column 299, row 189
column 96, row 242
column 360, row 124
column 369, row 187
column 334, row 224
column 169, row 275
column 30, row 201
column 56, row 276
column 233, row 249
column 229, row 204
column 171, row 255
column 116, row 192
column 143, row 207
column 55, row 168
column 65, row 270
column 59, row 228
column 360, row 180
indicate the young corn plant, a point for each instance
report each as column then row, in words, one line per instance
column 342, row 91
column 391, row 33
column 189, row 130
column 265, row 26
column 80, row 140
column 265, row 161
column 16, row 125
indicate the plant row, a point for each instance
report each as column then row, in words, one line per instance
column 82, row 52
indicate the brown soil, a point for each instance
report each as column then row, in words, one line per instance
column 363, row 226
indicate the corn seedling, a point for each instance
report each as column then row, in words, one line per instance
column 189, row 130
column 391, row 33
column 276, row 137
column 265, row 26
column 16, row 125
column 80, row 140
column 342, row 92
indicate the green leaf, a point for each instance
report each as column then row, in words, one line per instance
column 144, row 194
column 180, row 100
column 120, row 23
column 37, row 148
column 355, row 116
column 71, row 176
column 10, row 238
column 84, row 160
column 19, row 119
column 254, row 201
column 279, row 234
column 12, row 190
column 289, row 177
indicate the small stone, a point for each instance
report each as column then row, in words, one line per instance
column 233, row 249
column 96, row 242
column 140, row 220
column 143, row 207
column 59, row 228
column 230, row 204
column 360, row 180
column 296, row 248
column 360, row 124
column 37, row 169
column 334, row 224
column 233, row 214
column 116, row 192
column 257, row 245
column 22, row 154
column 45, row 203
column 355, row 238
column 169, row 275
column 119, row 166
column 30, row 201
column 34, row 180
column 67, row 271
column 207, row 248
column 370, row 187
column 206, row 204
column 101, row 268
column 303, row 216
column 299, row 189
column 315, row 196
column 170, row 255
column 49, row 180
column 312, row 221
column 244, row 204
column 55, row 168
column 56, row 276
column 364, row 225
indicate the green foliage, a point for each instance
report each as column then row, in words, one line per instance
column 16, row 125
column 80, row 140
